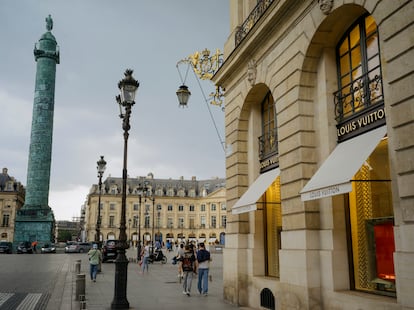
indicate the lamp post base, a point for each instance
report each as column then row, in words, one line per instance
column 121, row 276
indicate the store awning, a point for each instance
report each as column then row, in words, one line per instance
column 247, row 201
column 335, row 174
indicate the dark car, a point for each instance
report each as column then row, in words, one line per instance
column 6, row 247
column 24, row 247
column 109, row 250
column 48, row 248
column 78, row 247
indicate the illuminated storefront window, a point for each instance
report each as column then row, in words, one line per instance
column 273, row 227
column 371, row 224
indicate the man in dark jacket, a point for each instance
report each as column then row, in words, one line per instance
column 203, row 259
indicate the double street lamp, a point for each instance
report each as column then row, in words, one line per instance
column 128, row 87
column 101, row 166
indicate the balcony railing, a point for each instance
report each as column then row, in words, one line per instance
column 251, row 20
column 359, row 95
column 268, row 144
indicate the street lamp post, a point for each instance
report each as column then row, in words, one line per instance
column 128, row 87
column 129, row 231
column 152, row 198
column 142, row 191
column 139, row 228
column 101, row 169
column 136, row 231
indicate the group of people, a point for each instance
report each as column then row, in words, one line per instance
column 192, row 261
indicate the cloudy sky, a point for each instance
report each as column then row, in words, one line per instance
column 98, row 40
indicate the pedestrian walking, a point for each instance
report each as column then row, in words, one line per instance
column 180, row 253
column 95, row 257
column 203, row 263
column 34, row 246
column 145, row 257
column 188, row 263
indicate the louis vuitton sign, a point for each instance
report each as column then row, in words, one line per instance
column 360, row 124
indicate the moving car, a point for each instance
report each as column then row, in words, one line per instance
column 6, row 247
column 48, row 248
column 109, row 250
column 24, row 247
column 78, row 247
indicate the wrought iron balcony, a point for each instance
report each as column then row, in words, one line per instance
column 359, row 95
column 268, row 145
column 251, row 20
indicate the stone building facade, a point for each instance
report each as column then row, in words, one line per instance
column 319, row 125
column 159, row 209
column 12, row 195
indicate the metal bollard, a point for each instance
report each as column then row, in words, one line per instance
column 80, row 286
column 78, row 266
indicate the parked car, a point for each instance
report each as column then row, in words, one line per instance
column 48, row 248
column 78, row 247
column 109, row 250
column 24, row 247
column 6, row 247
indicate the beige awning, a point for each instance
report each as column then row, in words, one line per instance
column 247, row 201
column 335, row 174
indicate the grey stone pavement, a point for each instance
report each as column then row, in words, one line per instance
column 159, row 289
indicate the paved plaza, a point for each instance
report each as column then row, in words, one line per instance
column 157, row 290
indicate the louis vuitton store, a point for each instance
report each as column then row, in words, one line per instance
column 320, row 176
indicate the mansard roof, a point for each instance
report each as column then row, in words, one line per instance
column 209, row 185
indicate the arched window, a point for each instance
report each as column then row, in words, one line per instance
column 170, row 192
column 192, row 193
column 359, row 70
column 159, row 192
column 181, row 192
column 268, row 139
column 369, row 210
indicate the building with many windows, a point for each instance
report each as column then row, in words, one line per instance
column 159, row 209
column 12, row 194
column 319, row 164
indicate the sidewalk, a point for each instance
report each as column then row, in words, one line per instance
column 157, row 290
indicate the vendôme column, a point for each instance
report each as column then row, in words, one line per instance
column 35, row 220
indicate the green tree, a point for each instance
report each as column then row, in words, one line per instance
column 64, row 235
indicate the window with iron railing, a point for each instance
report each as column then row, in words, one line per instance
column 112, row 221
column 170, row 222
column 181, row 222
column 223, row 221
column 251, row 20
column 359, row 71
column 6, row 219
column 213, row 222
column 268, row 144
column 268, row 139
